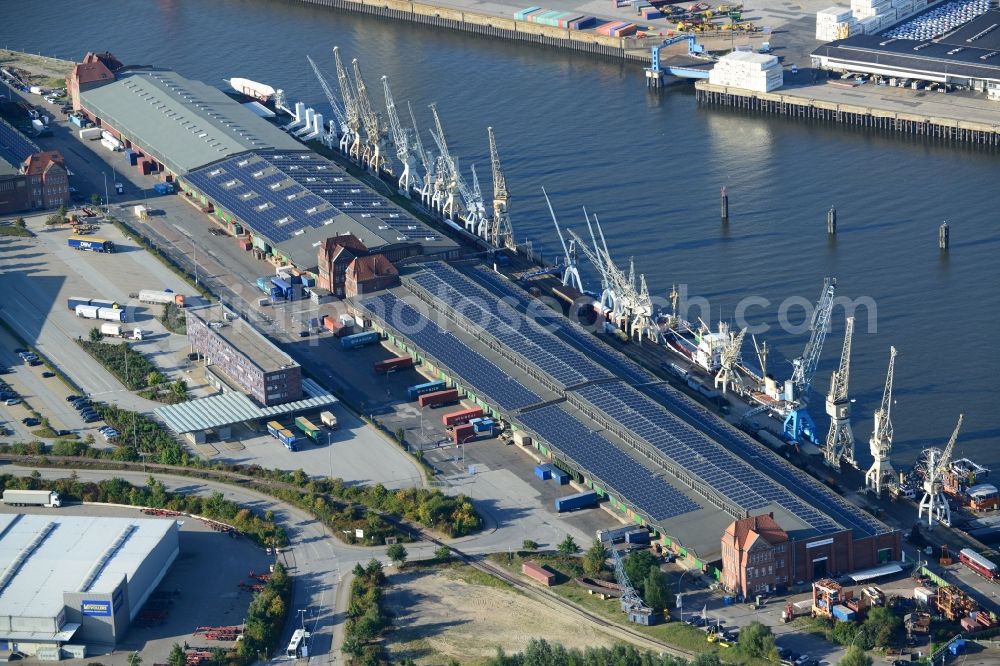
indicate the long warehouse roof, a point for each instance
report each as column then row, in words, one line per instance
column 722, row 463
column 54, row 554
column 183, row 123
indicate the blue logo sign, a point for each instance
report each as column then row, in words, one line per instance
column 95, row 608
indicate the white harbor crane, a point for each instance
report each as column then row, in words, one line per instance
column 798, row 423
column 401, row 140
column 730, row 359
column 446, row 180
column 339, row 125
column 840, row 439
column 881, row 472
column 475, row 216
column 473, row 210
column 427, row 188
column 571, row 274
column 373, row 156
column 612, row 279
column 936, row 464
column 643, row 324
column 501, row 230
column 350, row 141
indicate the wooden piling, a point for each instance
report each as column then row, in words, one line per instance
column 831, row 221
column 724, row 206
column 944, row 236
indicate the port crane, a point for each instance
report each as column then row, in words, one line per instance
column 632, row 603
column 476, row 210
column 373, row 156
column 612, row 295
column 501, row 230
column 350, row 142
column 798, row 423
column 570, row 274
column 881, row 472
column 427, row 188
column 936, row 464
column 446, row 172
column 730, row 359
column 473, row 210
column 401, row 140
column 840, row 439
column 338, row 126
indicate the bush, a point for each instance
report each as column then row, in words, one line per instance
column 757, row 641
column 568, row 546
column 129, row 366
column 366, row 619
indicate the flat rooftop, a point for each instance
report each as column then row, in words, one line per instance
column 184, row 123
column 69, row 553
column 240, row 334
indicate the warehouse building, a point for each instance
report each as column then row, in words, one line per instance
column 70, row 582
column 258, row 181
column 30, row 178
column 247, row 358
column 967, row 56
column 654, row 454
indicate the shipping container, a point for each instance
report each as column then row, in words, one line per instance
column 111, row 144
column 336, row 327
column 637, row 535
column 391, row 364
column 74, row 301
column 79, row 122
column 583, row 500
column 463, row 434
column 287, row 437
column 86, row 311
column 538, row 573
column 483, row 426
column 273, row 427
column 329, row 419
column 615, row 535
column 110, row 314
column 91, row 244
column 308, row 428
column 285, row 286
column 360, row 340
column 544, row 471
column 90, row 133
column 842, row 613
column 264, row 284
column 438, row 398
column 418, row 390
column 559, row 476
column 462, row 416
column 164, row 188
column 347, row 320
column 102, row 303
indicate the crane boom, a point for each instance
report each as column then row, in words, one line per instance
column 840, row 438
column 805, row 365
column 501, row 230
column 400, row 139
column 350, row 142
column 372, row 156
column 881, row 441
column 338, row 113
column 571, row 274
column 945, row 461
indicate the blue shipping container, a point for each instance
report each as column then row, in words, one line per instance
column 560, row 476
column 582, row 500
column 842, row 613
column 418, row 390
column 544, row 472
column 277, row 293
column 264, row 285
column 73, row 302
column 359, row 340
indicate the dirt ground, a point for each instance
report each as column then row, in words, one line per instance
column 443, row 614
column 37, row 69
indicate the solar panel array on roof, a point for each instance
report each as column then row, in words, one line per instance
column 283, row 195
column 787, row 486
column 517, row 335
column 449, row 352
column 14, row 146
column 607, row 463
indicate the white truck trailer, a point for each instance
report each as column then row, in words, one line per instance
column 49, row 498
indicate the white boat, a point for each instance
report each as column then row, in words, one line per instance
column 260, row 91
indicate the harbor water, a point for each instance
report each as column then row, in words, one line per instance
column 651, row 166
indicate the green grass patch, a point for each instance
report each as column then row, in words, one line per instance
column 45, row 432
column 467, row 574
column 16, row 232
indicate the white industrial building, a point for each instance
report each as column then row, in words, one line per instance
column 73, row 581
column 748, row 70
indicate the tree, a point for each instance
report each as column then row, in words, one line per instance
column 638, row 564
column 179, row 390
column 855, row 656
column 594, row 559
column 134, row 659
column 95, row 199
column 443, row 553
column 655, row 590
column 568, row 546
column 397, row 553
column 757, row 641
column 706, row 659
column 154, row 379
column 95, row 334
column 20, row 223
column 879, row 627
column 53, row 220
column 177, row 656
column 528, row 544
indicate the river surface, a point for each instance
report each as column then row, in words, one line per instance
column 651, row 166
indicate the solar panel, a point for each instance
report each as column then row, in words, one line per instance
column 557, row 365
column 450, row 353
column 15, row 144
column 609, row 465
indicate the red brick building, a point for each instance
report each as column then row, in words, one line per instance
column 369, row 273
column 47, row 179
column 96, row 69
column 756, row 556
column 334, row 256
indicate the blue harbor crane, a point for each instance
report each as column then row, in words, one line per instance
column 798, row 422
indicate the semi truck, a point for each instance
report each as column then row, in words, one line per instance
column 94, row 312
column 47, row 498
column 307, row 427
column 91, row 244
column 282, row 434
column 119, row 331
column 74, row 301
column 161, row 297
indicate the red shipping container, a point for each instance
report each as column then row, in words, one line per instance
column 245, row 244
column 464, row 416
column 397, row 363
column 542, row 575
column 438, row 398
column 463, row 434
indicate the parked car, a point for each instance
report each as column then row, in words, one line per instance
column 91, row 419
column 10, row 402
column 71, row 398
column 48, row 373
column 30, row 421
column 802, row 660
